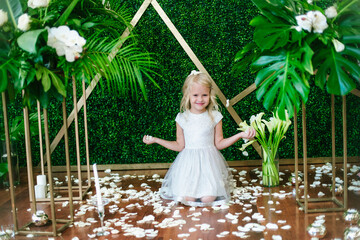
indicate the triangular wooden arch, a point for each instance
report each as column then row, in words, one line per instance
column 188, row 51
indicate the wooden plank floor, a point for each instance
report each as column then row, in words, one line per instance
column 224, row 223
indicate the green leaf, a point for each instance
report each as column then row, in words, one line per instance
column 63, row 18
column 307, row 59
column 275, row 9
column 13, row 8
column 281, row 81
column 3, row 169
column 335, row 71
column 268, row 35
column 49, row 78
column 27, row 41
column 56, row 81
column 88, row 25
column 4, row 80
column 45, row 81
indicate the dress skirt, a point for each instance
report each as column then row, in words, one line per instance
column 196, row 173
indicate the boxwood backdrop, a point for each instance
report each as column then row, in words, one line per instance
column 215, row 30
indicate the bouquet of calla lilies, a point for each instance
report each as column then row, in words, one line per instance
column 269, row 135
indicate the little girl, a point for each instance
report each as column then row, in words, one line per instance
column 199, row 176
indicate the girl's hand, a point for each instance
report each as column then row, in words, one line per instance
column 147, row 139
column 249, row 133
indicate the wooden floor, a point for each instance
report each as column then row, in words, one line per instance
column 139, row 203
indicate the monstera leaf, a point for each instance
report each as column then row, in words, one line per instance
column 282, row 80
column 337, row 70
column 268, row 35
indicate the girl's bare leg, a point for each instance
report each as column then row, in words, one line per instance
column 208, row 199
column 189, row 199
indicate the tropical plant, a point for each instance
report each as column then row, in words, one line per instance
column 44, row 43
column 294, row 39
column 16, row 128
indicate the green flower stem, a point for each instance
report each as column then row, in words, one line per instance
column 270, row 173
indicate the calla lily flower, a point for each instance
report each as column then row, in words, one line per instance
column 339, row 46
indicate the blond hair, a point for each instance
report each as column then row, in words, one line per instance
column 202, row 79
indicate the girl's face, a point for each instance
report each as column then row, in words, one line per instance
column 199, row 98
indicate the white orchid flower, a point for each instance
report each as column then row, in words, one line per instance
column 319, row 23
column 304, row 22
column 331, row 12
column 38, row 3
column 24, row 22
column 310, row 1
column 313, row 21
column 66, row 42
column 339, row 46
column 3, row 17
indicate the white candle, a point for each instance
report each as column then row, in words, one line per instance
column 40, row 191
column 97, row 187
column 41, row 179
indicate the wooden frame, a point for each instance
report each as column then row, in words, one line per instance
column 304, row 203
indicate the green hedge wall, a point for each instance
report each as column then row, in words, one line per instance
column 215, row 31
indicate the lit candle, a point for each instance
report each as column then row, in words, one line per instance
column 97, row 187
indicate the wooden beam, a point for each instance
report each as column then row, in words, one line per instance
column 243, row 94
column 236, row 163
column 356, row 92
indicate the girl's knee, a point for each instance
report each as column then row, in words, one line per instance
column 189, row 199
column 208, row 199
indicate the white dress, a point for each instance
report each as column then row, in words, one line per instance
column 199, row 169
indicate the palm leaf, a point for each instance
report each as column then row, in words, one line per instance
column 124, row 74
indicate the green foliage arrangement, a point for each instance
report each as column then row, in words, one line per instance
column 296, row 39
column 45, row 43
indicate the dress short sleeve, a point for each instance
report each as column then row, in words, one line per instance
column 180, row 119
column 217, row 116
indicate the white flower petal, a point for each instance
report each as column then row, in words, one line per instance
column 3, row 17
column 331, row 12
column 24, row 22
column 339, row 46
